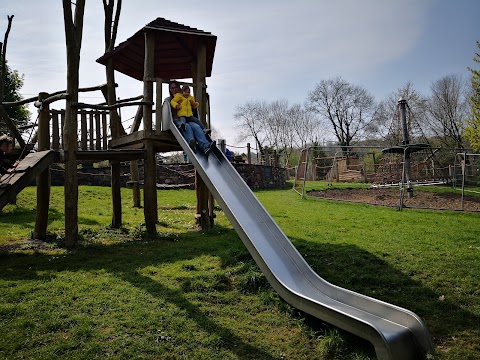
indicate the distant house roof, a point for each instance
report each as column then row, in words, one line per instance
column 175, row 51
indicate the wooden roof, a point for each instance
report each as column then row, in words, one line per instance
column 175, row 51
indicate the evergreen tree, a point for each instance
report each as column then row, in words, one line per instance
column 472, row 131
column 19, row 114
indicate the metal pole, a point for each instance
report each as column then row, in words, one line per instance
column 406, row 141
column 305, row 173
column 464, row 163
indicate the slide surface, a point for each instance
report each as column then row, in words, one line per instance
column 24, row 173
column 396, row 333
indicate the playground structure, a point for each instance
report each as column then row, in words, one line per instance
column 165, row 50
column 404, row 165
column 467, row 173
column 372, row 164
column 160, row 51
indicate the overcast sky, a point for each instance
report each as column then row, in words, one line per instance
column 266, row 49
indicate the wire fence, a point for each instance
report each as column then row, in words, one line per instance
column 403, row 169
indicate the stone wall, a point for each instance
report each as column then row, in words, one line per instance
column 261, row 176
column 173, row 175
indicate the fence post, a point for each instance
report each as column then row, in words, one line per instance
column 223, row 145
column 249, row 154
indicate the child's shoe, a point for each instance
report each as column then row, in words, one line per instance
column 192, row 144
column 209, row 148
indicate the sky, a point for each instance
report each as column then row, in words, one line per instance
column 266, row 49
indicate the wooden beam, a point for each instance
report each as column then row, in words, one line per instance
column 11, row 126
column 80, row 105
column 111, row 155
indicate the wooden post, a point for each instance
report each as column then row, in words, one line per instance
column 43, row 180
column 104, row 131
column 55, row 131
column 249, row 154
column 134, row 177
column 83, row 130
column 116, row 131
column 158, row 106
column 116, row 194
column 98, row 134
column 62, row 124
column 90, row 131
column 73, row 40
column 222, row 145
column 150, row 167
column 204, row 216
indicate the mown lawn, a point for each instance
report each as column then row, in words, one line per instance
column 193, row 294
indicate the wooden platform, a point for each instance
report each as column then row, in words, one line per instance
column 162, row 142
column 111, row 155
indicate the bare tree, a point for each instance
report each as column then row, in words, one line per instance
column 251, row 119
column 345, row 107
column 386, row 123
column 276, row 123
column 448, row 107
column 304, row 126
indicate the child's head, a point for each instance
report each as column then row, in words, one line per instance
column 186, row 90
column 6, row 144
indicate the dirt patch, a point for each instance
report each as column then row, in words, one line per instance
column 391, row 197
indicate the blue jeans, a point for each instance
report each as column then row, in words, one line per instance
column 189, row 119
column 194, row 131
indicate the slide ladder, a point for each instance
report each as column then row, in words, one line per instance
column 23, row 174
column 396, row 333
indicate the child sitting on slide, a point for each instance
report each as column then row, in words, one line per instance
column 185, row 103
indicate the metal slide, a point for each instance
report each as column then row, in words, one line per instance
column 396, row 333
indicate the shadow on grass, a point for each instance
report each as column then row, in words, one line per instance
column 355, row 269
column 21, row 216
column 124, row 260
column 344, row 265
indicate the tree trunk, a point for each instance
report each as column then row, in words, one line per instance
column 73, row 37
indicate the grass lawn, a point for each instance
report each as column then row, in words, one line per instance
column 189, row 294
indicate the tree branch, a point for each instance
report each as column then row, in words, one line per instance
column 3, row 69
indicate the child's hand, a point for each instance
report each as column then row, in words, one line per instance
column 178, row 107
column 180, row 101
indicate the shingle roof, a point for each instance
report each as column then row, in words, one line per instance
column 175, row 51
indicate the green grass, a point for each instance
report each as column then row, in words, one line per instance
column 195, row 294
